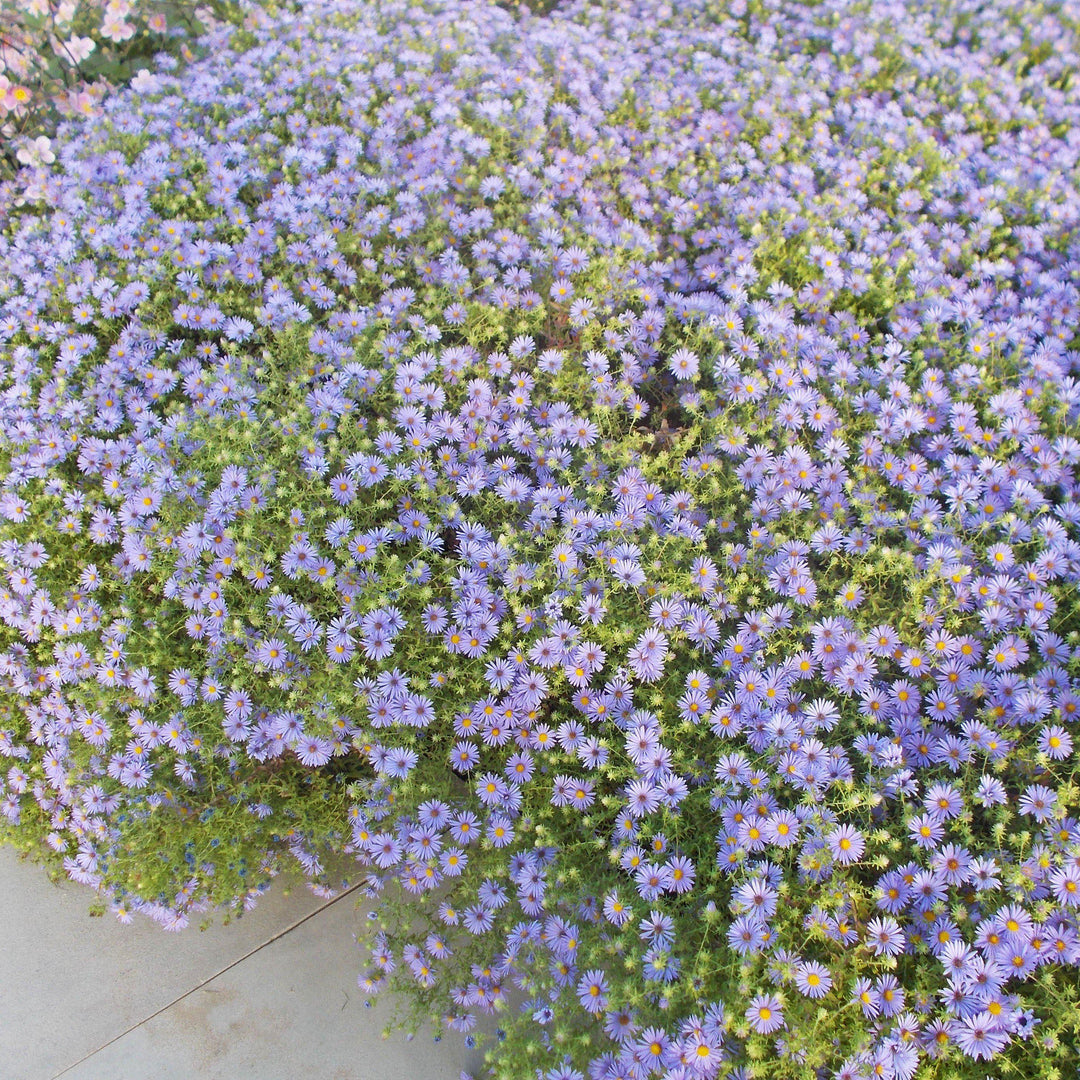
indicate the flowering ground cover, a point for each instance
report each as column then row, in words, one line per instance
column 615, row 475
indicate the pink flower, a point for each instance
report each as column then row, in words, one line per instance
column 116, row 29
column 13, row 98
column 76, row 49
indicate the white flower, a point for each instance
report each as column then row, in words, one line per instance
column 115, row 29
column 145, row 82
column 76, row 49
column 36, row 152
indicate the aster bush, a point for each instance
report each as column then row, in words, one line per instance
column 613, row 474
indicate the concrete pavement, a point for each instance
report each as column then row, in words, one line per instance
column 272, row 996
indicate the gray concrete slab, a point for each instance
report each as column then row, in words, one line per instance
column 272, row 996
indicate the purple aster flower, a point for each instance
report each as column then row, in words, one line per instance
column 813, row 979
column 652, row 1044
column 1055, row 742
column 991, row 791
column 658, row 929
column 943, row 801
column 680, row 874
column 592, row 991
column 765, row 1014
column 646, row 658
column 500, row 830
column 746, row 935
column 477, row 919
column 1037, row 801
column 314, row 751
column 980, row 1037
column 642, row 798
column 1065, row 883
column 926, row 830
column 847, row 844
column 884, row 936
column 890, row 994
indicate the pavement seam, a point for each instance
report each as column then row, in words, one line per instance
column 228, row 967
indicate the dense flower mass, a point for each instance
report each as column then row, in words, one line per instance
column 616, row 475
